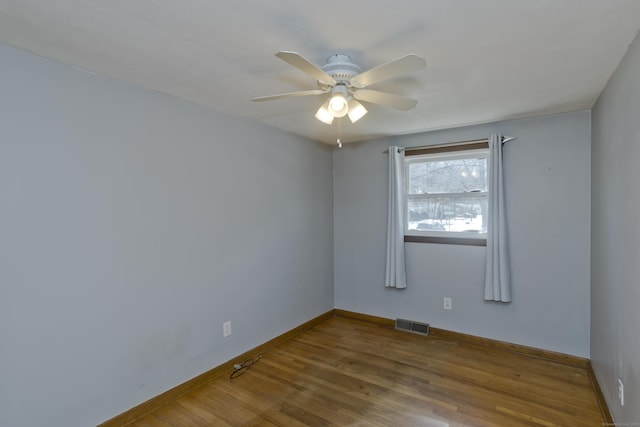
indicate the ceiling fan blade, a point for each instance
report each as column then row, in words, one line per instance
column 386, row 99
column 306, row 66
column 291, row 95
column 403, row 65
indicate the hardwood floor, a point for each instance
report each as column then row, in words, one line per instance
column 347, row 372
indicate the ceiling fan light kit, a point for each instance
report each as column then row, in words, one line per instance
column 356, row 110
column 338, row 103
column 338, row 106
column 343, row 79
column 323, row 114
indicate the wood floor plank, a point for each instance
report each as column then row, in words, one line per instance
column 352, row 372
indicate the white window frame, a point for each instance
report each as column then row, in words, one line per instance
column 450, row 236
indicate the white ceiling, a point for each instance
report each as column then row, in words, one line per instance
column 487, row 60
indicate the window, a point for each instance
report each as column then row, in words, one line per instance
column 446, row 195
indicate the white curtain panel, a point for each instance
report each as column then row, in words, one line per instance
column 497, row 285
column 396, row 276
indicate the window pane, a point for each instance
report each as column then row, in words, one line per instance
column 448, row 176
column 448, row 214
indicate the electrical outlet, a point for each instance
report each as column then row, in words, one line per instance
column 448, row 303
column 620, row 392
column 226, row 328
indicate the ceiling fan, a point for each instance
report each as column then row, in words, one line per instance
column 347, row 85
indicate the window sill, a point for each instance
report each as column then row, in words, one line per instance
column 467, row 241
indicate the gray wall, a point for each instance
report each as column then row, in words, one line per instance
column 547, row 184
column 131, row 226
column 615, row 244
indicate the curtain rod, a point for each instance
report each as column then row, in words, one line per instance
column 454, row 144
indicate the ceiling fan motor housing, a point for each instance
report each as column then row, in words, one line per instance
column 340, row 67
